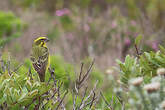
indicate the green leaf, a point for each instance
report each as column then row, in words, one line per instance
column 33, row 93
column 3, row 99
column 138, row 39
column 162, row 49
column 24, row 93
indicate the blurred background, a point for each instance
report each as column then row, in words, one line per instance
column 79, row 30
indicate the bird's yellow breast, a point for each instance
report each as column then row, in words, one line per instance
column 41, row 53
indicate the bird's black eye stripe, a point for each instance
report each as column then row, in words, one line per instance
column 32, row 59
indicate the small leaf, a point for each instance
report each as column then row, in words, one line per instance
column 23, row 95
column 162, row 49
column 3, row 99
column 33, row 93
column 138, row 39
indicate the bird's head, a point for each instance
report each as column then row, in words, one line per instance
column 40, row 41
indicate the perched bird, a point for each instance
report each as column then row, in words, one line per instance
column 40, row 56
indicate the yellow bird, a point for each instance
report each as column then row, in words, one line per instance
column 40, row 56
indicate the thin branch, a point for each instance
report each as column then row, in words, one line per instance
column 30, row 74
column 74, row 100
column 137, row 51
column 78, row 85
column 58, row 89
column 3, row 66
column 8, row 67
column 61, row 100
column 52, row 76
column 90, row 102
column 16, row 69
column 82, row 65
column 26, row 107
column 112, row 100
column 83, row 105
column 94, row 95
column 123, row 106
column 88, row 71
column 109, row 106
column 83, row 96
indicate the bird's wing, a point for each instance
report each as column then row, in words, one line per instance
column 39, row 59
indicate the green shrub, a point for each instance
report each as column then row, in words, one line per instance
column 20, row 86
column 143, row 79
column 11, row 27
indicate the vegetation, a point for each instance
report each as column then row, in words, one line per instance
column 10, row 27
column 104, row 55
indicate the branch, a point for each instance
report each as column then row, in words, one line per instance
column 61, row 100
column 109, row 106
column 30, row 74
column 78, row 85
column 94, row 95
column 87, row 73
column 16, row 69
column 83, row 105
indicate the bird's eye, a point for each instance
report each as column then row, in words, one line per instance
column 32, row 59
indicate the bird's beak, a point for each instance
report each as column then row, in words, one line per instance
column 46, row 40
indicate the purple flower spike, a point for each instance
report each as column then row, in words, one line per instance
column 86, row 28
column 133, row 23
column 155, row 46
column 127, row 41
column 62, row 12
column 114, row 24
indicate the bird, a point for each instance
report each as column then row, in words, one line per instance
column 40, row 56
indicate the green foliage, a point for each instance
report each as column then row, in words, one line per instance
column 66, row 22
column 21, row 88
column 145, row 66
column 138, row 39
column 54, row 34
column 63, row 70
column 10, row 27
column 18, row 90
column 143, row 79
column 130, row 68
column 26, row 3
column 148, row 96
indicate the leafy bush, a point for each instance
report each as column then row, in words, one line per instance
column 143, row 79
column 141, row 83
column 10, row 27
column 146, row 65
column 21, row 89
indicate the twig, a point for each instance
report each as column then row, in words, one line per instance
column 74, row 100
column 83, row 96
column 8, row 67
column 78, row 85
column 112, row 100
column 61, row 100
column 16, row 69
column 83, row 105
column 123, row 106
column 109, row 106
column 58, row 89
column 26, row 107
column 82, row 65
column 137, row 51
column 30, row 74
column 52, row 76
column 86, row 75
column 94, row 94
column 90, row 102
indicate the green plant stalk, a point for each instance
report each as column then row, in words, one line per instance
column 153, row 104
column 161, row 89
column 143, row 98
